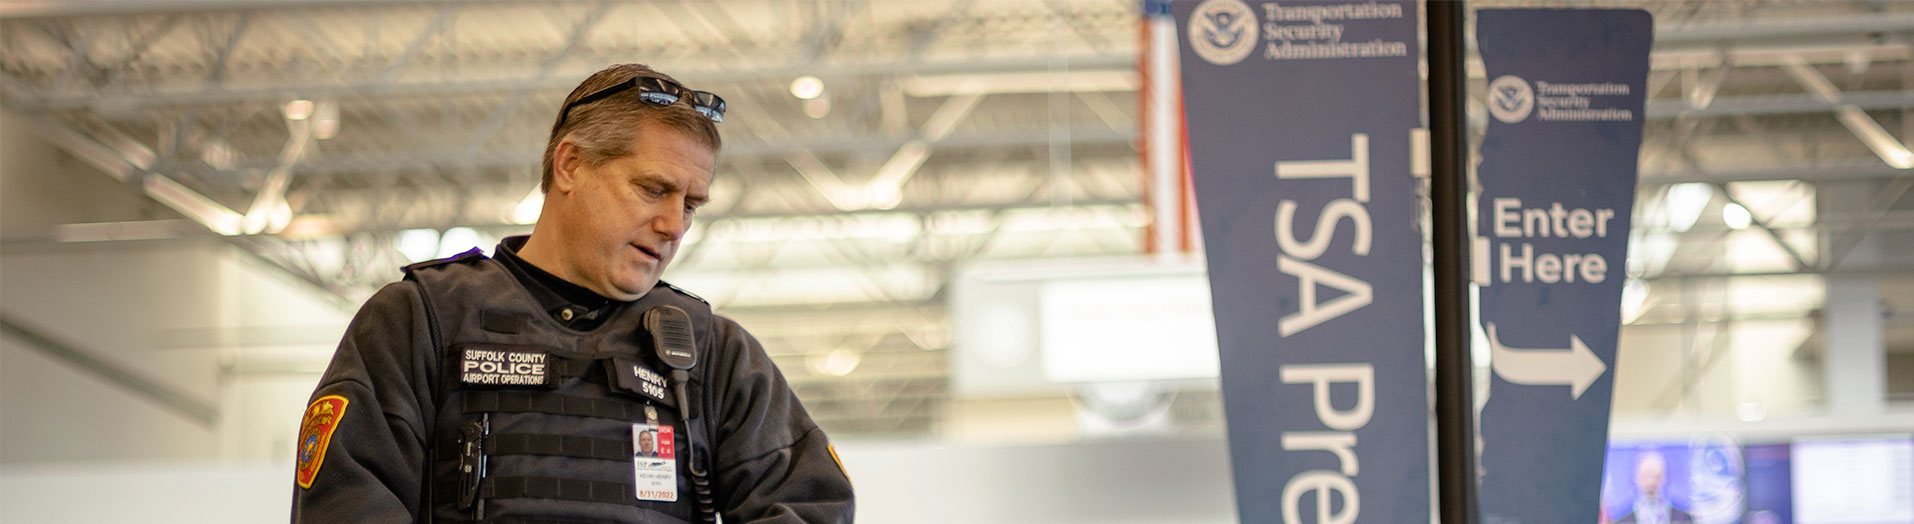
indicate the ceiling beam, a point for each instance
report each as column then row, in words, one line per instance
column 147, row 96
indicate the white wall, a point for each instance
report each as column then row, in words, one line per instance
column 195, row 316
column 162, row 492
column 1746, row 361
column 178, row 314
column 113, row 305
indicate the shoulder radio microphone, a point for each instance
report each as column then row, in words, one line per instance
column 675, row 344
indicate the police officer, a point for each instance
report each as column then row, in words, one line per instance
column 517, row 388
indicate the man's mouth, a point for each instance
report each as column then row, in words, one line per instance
column 653, row 253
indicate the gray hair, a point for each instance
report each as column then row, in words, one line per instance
column 605, row 129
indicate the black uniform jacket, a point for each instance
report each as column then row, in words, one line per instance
column 374, row 443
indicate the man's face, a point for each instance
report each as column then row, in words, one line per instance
column 1648, row 476
column 645, row 442
column 627, row 215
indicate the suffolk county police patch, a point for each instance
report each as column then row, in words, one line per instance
column 493, row 367
column 315, row 435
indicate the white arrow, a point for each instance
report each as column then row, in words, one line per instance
column 1575, row 367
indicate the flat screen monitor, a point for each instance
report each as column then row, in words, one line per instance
column 1854, row 480
column 1719, row 480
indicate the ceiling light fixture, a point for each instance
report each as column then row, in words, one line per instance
column 298, row 109
column 807, row 87
column 1735, row 216
column 1684, row 203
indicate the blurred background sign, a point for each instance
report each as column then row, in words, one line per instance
column 1301, row 120
column 1557, row 181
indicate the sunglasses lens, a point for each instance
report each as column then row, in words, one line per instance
column 712, row 101
column 659, row 98
column 711, row 105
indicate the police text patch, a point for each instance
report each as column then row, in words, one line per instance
column 491, row 367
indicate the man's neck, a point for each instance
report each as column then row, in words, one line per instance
column 545, row 261
column 537, row 253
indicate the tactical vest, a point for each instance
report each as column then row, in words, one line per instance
column 535, row 421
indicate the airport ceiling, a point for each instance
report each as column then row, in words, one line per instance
column 946, row 132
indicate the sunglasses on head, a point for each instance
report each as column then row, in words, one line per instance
column 656, row 91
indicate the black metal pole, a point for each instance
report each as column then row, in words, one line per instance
column 1448, row 155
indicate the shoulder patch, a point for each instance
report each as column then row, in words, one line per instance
column 315, row 435
column 682, row 291
column 839, row 461
column 469, row 254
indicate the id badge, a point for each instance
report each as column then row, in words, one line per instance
column 654, row 462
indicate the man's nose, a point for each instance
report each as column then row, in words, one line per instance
column 671, row 221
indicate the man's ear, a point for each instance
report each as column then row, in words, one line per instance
column 565, row 163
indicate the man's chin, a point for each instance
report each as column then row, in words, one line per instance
column 633, row 291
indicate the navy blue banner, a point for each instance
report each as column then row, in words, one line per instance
column 1565, row 93
column 1300, row 117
